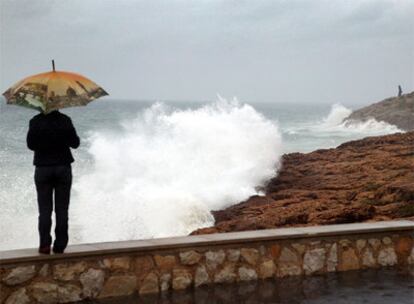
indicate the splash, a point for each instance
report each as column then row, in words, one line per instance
column 168, row 168
column 335, row 124
column 336, row 121
column 336, row 116
column 331, row 130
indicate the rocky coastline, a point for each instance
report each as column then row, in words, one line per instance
column 371, row 179
column 398, row 111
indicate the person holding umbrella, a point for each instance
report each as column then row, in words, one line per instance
column 51, row 135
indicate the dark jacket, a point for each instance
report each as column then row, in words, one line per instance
column 50, row 137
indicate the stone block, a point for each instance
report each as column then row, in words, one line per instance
column 214, row 258
column 119, row 286
column 288, row 263
column 267, row 269
column 18, row 297
column 300, row 248
column 314, row 260
column 165, row 281
column 386, row 240
column 182, row 278
column 387, row 257
column 233, row 255
column 375, row 243
column 262, row 250
column 288, row 269
column 360, row 244
column 165, row 263
column 44, row 271
column 250, row 255
column 44, row 292
column 4, row 292
column 19, row 275
column 332, row 261
column 68, row 272
column 403, row 247
column 247, row 274
column 349, row 260
column 92, row 282
column 226, row 274
column 368, row 259
column 345, row 243
column 150, row 284
column 201, row 276
column 288, row 256
column 190, row 257
column 275, row 251
column 143, row 265
column 410, row 259
column 118, row 263
column 69, row 293
column 315, row 243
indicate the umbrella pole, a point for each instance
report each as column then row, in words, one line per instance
column 53, row 65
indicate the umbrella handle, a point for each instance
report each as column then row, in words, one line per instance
column 53, row 65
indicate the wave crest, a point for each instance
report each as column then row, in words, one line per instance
column 168, row 168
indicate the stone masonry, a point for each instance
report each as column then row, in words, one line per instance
column 99, row 277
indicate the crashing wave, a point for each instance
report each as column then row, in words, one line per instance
column 168, row 168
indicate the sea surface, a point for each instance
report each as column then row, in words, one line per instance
column 153, row 169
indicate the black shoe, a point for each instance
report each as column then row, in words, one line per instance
column 58, row 250
column 44, row 250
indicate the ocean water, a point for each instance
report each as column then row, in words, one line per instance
column 155, row 169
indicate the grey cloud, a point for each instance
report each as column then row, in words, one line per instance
column 349, row 51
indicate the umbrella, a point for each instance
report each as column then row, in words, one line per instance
column 53, row 90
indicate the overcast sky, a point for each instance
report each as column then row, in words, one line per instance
column 353, row 52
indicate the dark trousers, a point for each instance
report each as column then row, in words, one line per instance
column 53, row 181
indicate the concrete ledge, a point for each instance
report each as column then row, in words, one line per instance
column 245, row 237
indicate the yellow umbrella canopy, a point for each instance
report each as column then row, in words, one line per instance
column 53, row 90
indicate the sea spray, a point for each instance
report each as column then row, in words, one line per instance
column 336, row 121
column 336, row 116
column 168, row 168
column 304, row 129
column 335, row 125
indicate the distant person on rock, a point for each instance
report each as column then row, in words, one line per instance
column 399, row 91
column 51, row 136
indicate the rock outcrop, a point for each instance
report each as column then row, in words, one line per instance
column 398, row 111
column 364, row 180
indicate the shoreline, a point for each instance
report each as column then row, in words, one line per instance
column 365, row 180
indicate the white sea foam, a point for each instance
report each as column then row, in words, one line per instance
column 336, row 116
column 169, row 168
column 334, row 124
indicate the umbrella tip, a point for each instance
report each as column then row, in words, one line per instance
column 53, row 64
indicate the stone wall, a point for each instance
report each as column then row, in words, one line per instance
column 194, row 261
